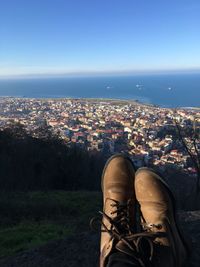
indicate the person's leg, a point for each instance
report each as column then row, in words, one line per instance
column 158, row 217
column 119, row 259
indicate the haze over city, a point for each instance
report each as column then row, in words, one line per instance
column 98, row 37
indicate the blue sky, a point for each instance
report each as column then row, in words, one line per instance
column 89, row 36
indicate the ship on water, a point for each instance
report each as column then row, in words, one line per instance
column 139, row 86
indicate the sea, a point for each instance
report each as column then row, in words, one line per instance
column 165, row 90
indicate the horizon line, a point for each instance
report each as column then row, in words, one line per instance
column 99, row 73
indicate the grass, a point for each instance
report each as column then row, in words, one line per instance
column 28, row 220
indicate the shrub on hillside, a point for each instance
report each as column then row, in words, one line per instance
column 28, row 163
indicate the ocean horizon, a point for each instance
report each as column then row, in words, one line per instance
column 165, row 90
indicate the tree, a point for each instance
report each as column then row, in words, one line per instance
column 190, row 140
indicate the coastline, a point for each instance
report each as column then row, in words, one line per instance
column 100, row 99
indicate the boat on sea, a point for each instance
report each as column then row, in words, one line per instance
column 109, row 87
column 139, row 86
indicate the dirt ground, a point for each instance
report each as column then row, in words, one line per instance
column 83, row 249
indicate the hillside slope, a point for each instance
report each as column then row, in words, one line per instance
column 82, row 249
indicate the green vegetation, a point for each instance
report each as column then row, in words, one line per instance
column 33, row 171
column 30, row 219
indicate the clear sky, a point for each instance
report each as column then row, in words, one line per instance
column 75, row 36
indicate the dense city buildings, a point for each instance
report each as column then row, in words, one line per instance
column 147, row 133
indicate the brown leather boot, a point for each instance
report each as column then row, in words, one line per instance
column 118, row 204
column 158, row 216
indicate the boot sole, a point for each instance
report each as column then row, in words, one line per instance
column 161, row 179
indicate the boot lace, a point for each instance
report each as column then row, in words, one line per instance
column 137, row 244
column 121, row 222
column 151, row 226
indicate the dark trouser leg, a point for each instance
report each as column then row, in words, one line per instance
column 119, row 259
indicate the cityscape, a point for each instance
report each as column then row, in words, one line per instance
column 99, row 133
column 146, row 133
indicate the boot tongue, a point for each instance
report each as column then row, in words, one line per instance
column 141, row 254
column 122, row 247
